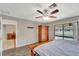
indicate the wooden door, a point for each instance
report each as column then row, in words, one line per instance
column 42, row 33
column 39, row 33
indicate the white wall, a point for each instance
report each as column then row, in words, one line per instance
column 4, row 32
column 26, row 35
column 0, row 30
column 0, row 27
column 0, row 46
column 51, row 32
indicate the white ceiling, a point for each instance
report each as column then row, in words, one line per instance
column 28, row 10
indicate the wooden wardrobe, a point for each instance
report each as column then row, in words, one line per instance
column 43, row 33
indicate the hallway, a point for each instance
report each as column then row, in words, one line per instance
column 20, row 51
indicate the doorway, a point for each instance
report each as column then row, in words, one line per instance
column 9, row 36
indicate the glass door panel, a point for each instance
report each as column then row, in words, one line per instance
column 68, row 31
column 58, row 32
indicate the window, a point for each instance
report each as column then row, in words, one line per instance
column 64, row 31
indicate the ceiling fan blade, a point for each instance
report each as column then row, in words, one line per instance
column 39, row 17
column 53, row 5
column 52, row 16
column 55, row 11
column 40, row 12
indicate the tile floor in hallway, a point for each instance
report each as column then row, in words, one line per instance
column 20, row 51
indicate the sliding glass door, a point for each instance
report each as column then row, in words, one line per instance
column 68, row 31
column 64, row 31
column 58, row 32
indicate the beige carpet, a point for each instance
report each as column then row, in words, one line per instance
column 21, row 51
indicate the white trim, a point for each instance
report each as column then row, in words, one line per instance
column 1, row 35
column 16, row 34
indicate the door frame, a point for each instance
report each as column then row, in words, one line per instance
column 10, row 22
column 40, row 32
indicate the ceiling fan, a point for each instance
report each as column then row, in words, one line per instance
column 47, row 13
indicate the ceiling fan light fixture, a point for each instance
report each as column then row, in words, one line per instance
column 45, row 18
